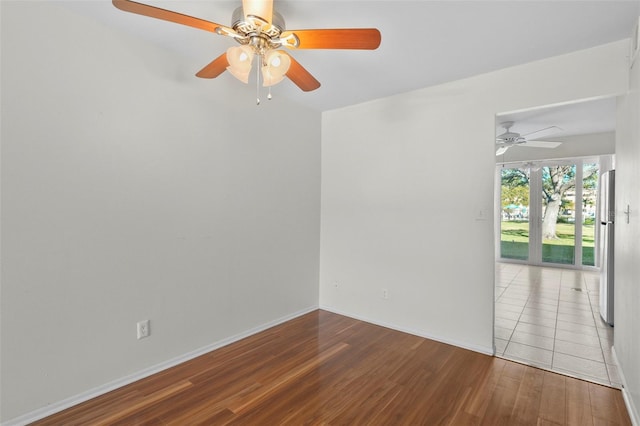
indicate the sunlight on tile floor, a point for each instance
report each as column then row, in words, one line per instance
column 549, row 318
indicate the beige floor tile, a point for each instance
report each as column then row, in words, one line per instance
column 502, row 333
column 605, row 334
column 530, row 354
column 580, row 366
column 505, row 323
column 514, row 297
column 546, row 293
column 543, row 300
column 607, row 351
column 539, row 313
column 533, row 340
column 537, row 320
column 558, row 317
column 600, row 322
column 538, row 330
column 512, row 301
column 577, row 328
column 582, row 339
column 505, row 307
column 563, row 304
column 584, row 320
column 575, row 299
column 501, row 345
column 542, row 306
column 582, row 351
column 614, row 374
column 509, row 315
column 581, row 376
column 584, row 313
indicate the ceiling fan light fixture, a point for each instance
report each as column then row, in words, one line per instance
column 269, row 80
column 276, row 65
column 242, row 76
column 240, row 58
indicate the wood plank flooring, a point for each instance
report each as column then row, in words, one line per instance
column 324, row 368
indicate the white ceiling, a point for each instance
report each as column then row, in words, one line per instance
column 571, row 119
column 423, row 42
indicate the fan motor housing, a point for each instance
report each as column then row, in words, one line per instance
column 256, row 26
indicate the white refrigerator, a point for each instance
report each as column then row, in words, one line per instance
column 606, row 207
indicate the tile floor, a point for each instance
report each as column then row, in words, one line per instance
column 549, row 318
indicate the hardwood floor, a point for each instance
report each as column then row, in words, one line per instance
column 324, row 368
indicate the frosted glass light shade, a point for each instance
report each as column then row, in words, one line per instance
column 276, row 66
column 262, row 9
column 240, row 58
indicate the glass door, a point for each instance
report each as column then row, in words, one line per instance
column 590, row 179
column 558, row 214
column 556, row 225
column 514, row 220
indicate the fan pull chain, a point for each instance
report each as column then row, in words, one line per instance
column 259, row 64
column 258, row 69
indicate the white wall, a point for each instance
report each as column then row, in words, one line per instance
column 404, row 180
column 627, row 236
column 133, row 190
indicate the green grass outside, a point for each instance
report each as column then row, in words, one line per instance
column 515, row 243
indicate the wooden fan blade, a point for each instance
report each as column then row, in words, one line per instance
column 215, row 67
column 301, row 77
column 346, row 38
column 166, row 15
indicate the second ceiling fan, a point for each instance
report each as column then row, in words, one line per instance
column 261, row 33
column 507, row 139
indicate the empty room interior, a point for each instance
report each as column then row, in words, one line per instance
column 406, row 212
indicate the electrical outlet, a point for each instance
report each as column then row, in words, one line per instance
column 385, row 293
column 143, row 329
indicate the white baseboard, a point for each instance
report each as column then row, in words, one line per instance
column 474, row 348
column 628, row 401
column 108, row 387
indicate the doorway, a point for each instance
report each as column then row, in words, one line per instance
column 547, row 274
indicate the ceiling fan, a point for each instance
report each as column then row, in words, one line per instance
column 261, row 33
column 508, row 139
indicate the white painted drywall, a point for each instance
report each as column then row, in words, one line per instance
column 627, row 236
column 132, row 190
column 408, row 187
